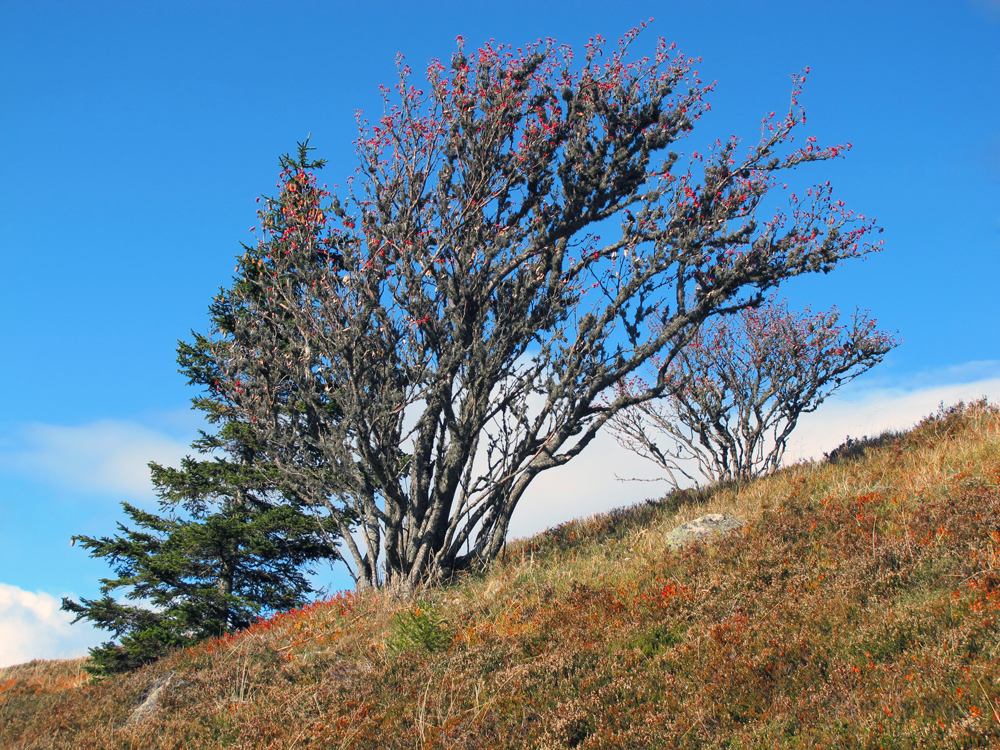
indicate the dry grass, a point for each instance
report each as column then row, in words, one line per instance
column 857, row 608
column 47, row 676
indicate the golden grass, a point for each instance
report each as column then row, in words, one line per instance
column 47, row 675
column 858, row 607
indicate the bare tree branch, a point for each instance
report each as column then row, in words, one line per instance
column 740, row 387
column 450, row 329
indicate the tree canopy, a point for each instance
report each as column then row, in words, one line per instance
column 414, row 350
column 738, row 389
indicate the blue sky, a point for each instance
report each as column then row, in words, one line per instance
column 134, row 138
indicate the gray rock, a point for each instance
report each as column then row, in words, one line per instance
column 344, row 672
column 702, row 528
column 148, row 707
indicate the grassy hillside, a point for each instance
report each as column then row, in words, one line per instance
column 857, row 608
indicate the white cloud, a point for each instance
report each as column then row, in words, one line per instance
column 103, row 456
column 584, row 486
column 871, row 413
column 587, row 484
column 33, row 627
column 949, row 375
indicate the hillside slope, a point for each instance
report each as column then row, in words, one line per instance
column 858, row 607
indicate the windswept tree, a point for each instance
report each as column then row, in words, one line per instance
column 450, row 324
column 738, row 388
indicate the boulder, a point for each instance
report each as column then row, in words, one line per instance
column 152, row 699
column 702, row 528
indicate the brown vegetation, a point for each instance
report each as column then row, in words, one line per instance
column 857, row 608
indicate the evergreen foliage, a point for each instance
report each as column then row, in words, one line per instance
column 229, row 547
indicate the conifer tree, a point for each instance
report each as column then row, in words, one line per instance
column 229, row 546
